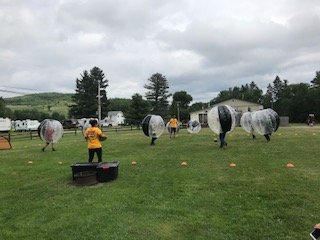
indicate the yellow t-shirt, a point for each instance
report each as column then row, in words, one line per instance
column 173, row 123
column 92, row 135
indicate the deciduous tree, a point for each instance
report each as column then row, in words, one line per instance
column 180, row 105
column 138, row 110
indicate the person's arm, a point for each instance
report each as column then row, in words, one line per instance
column 317, row 226
column 86, row 135
column 101, row 136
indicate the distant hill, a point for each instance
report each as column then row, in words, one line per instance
column 39, row 98
column 45, row 102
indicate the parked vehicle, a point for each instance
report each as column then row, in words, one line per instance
column 5, row 124
column 106, row 122
column 26, row 125
column 32, row 125
column 71, row 123
column 113, row 119
column 19, row 125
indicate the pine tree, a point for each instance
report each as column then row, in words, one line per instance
column 158, row 93
column 315, row 83
column 180, row 105
column 85, row 98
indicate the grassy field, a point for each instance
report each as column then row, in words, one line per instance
column 158, row 198
column 61, row 107
column 44, row 102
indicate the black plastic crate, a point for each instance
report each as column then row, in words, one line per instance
column 83, row 167
column 107, row 171
column 86, row 178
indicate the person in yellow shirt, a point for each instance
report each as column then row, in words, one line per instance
column 173, row 123
column 94, row 136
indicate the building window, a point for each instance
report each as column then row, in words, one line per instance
column 203, row 118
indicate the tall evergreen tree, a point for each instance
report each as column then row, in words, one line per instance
column 98, row 76
column 254, row 93
column 268, row 98
column 315, row 83
column 278, row 91
column 158, row 93
column 85, row 98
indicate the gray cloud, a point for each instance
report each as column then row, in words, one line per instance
column 202, row 47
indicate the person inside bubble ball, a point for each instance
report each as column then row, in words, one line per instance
column 173, row 123
column 94, row 136
column 49, row 139
column 222, row 137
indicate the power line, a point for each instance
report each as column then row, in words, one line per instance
column 29, row 89
column 16, row 90
column 9, row 91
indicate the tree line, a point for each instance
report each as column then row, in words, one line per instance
column 293, row 100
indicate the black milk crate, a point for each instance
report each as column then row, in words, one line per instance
column 86, row 178
column 83, row 167
column 105, row 171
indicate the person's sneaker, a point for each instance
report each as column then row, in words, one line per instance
column 42, row 149
column 53, row 149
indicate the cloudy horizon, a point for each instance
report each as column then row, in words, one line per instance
column 202, row 47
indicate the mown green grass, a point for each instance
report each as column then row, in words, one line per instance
column 158, row 198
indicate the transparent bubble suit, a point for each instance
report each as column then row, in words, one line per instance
column 88, row 125
column 193, row 127
column 222, row 119
column 265, row 121
column 169, row 128
column 50, row 130
column 246, row 122
column 153, row 126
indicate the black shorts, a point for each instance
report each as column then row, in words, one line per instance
column 173, row 130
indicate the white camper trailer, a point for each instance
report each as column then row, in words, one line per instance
column 26, row 125
column 5, row 124
column 19, row 125
column 32, row 125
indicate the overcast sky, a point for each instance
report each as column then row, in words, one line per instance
column 201, row 46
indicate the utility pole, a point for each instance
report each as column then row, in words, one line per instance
column 178, row 109
column 99, row 102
